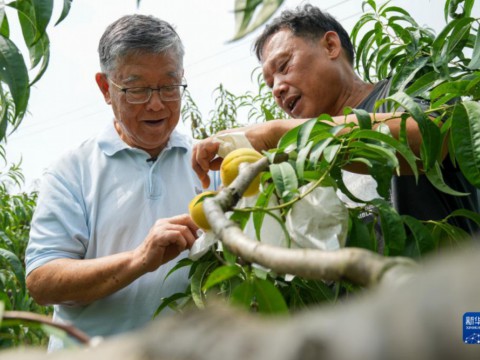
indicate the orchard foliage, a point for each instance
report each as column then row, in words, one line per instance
column 16, row 77
column 443, row 69
column 15, row 215
column 230, row 108
column 251, row 14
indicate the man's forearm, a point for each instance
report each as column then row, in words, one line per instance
column 79, row 282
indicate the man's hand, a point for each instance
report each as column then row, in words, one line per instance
column 82, row 281
column 263, row 136
column 166, row 240
column 204, row 158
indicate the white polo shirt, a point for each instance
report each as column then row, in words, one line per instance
column 100, row 199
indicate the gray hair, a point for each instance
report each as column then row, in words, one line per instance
column 308, row 22
column 133, row 34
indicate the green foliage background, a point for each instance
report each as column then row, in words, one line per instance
column 16, row 209
column 17, row 75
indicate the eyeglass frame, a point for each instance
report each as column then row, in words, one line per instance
column 151, row 90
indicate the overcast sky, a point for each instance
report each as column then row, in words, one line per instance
column 66, row 106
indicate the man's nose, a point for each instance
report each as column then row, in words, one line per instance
column 155, row 102
column 279, row 89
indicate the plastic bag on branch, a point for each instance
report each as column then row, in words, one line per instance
column 318, row 221
column 202, row 245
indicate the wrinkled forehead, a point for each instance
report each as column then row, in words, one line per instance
column 170, row 57
column 150, row 67
column 276, row 41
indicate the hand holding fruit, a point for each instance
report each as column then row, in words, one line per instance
column 229, row 171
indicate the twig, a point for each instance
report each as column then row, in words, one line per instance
column 37, row 318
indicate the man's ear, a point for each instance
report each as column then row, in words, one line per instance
column 333, row 45
column 104, row 86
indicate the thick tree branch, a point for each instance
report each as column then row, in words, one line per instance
column 360, row 266
column 419, row 319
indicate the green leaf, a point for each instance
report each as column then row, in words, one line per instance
column 260, row 296
column 221, row 274
column 475, row 61
column 382, row 174
column 431, row 136
column 359, row 234
column 407, row 73
column 43, row 13
column 304, row 133
column 16, row 265
column 267, row 114
column 457, row 88
column 322, row 140
column 38, row 52
column 423, row 241
column 169, row 301
column 301, row 158
column 374, row 152
column 4, row 26
column 196, row 284
column 465, row 133
column 269, row 298
column 262, row 202
column 458, row 38
column 26, row 17
column 243, row 295
column 229, row 257
column 285, row 180
column 422, row 84
column 364, row 119
column 290, row 137
column 14, row 74
column 403, row 149
column 66, row 9
column 248, row 17
column 449, row 235
column 452, row 6
column 446, row 41
column 363, row 21
column 331, row 152
column 385, row 59
column 180, row 264
column 318, row 149
column 392, row 227
column 434, row 175
column 363, row 50
column 241, row 218
column 466, row 213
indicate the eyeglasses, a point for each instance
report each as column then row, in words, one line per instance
column 141, row 95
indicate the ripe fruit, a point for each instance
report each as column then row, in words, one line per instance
column 230, row 168
column 195, row 207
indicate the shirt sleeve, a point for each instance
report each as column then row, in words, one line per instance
column 59, row 227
